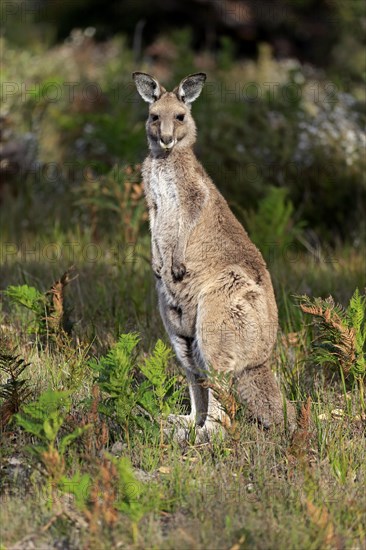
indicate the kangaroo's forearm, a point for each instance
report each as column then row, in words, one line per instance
column 156, row 258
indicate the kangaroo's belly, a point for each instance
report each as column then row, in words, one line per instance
column 178, row 310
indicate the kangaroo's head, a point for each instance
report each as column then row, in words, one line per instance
column 170, row 124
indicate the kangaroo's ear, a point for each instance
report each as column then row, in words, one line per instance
column 148, row 87
column 190, row 87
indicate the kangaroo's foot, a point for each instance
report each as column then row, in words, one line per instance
column 195, row 434
column 209, row 431
column 180, row 427
column 182, row 420
column 183, row 428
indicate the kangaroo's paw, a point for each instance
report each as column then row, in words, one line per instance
column 178, row 269
column 157, row 267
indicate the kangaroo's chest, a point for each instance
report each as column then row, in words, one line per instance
column 164, row 190
column 165, row 196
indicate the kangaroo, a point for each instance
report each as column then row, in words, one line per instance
column 215, row 294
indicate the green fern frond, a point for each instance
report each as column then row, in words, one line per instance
column 14, row 391
column 158, row 396
column 27, row 296
column 51, row 316
column 272, row 224
column 154, row 367
column 341, row 333
column 136, row 392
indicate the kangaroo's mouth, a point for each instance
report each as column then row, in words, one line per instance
column 167, row 146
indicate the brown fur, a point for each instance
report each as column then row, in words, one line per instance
column 215, row 293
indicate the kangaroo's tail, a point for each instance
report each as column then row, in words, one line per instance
column 258, row 389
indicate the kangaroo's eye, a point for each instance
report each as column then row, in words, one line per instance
column 154, row 118
column 180, row 118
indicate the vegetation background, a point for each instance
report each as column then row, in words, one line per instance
column 87, row 376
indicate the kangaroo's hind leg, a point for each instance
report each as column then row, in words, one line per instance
column 206, row 416
column 236, row 332
column 198, row 393
column 180, row 329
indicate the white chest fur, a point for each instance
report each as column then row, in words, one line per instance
column 165, row 219
column 164, row 189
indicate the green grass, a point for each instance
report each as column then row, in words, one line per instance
column 254, row 490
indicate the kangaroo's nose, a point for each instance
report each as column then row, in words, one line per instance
column 166, row 139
